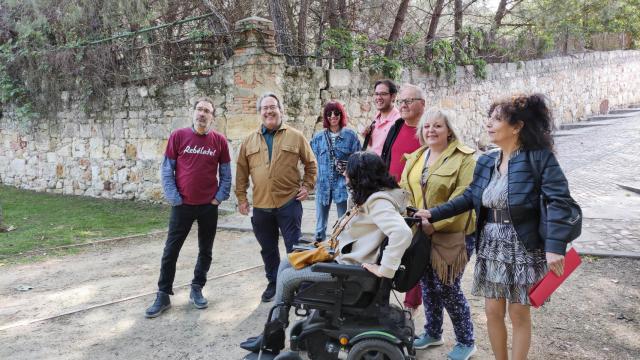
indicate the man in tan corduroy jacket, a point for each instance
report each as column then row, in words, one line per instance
column 270, row 156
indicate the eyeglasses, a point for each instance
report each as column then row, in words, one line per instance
column 270, row 107
column 407, row 101
column 381, row 93
column 334, row 114
column 204, row 110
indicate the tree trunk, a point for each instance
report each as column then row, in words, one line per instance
column 293, row 29
column 397, row 27
column 497, row 20
column 433, row 27
column 302, row 32
column 457, row 28
column 342, row 11
column 283, row 35
column 320, row 38
column 334, row 24
column 333, row 14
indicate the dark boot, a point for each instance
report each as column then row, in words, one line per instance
column 269, row 293
column 162, row 303
column 196, row 297
column 272, row 339
column 274, row 336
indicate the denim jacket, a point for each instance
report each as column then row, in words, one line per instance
column 328, row 179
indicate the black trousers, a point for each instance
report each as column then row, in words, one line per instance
column 180, row 222
column 266, row 223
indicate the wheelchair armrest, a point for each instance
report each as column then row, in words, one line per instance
column 341, row 269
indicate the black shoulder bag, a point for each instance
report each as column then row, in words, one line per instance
column 574, row 222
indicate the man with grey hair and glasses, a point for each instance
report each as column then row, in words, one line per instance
column 269, row 156
column 401, row 138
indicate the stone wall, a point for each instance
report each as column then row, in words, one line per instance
column 113, row 149
column 577, row 86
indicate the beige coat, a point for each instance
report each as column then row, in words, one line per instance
column 380, row 216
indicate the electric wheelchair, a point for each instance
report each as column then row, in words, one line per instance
column 349, row 318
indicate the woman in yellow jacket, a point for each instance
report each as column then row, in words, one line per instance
column 438, row 171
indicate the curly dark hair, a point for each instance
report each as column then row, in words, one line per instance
column 367, row 174
column 535, row 115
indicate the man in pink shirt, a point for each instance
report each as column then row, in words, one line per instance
column 384, row 97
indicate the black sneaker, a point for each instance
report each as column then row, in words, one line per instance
column 196, row 297
column 162, row 303
column 269, row 293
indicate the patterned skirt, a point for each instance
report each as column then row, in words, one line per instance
column 504, row 268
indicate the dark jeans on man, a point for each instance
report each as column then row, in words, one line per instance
column 182, row 218
column 266, row 223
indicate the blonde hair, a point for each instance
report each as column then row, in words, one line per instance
column 436, row 113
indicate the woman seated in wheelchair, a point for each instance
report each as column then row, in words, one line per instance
column 378, row 205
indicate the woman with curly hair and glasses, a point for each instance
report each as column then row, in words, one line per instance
column 378, row 205
column 512, row 254
column 332, row 147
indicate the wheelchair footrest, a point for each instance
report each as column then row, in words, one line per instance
column 256, row 356
column 289, row 355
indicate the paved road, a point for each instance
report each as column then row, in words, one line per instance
column 596, row 160
column 596, row 156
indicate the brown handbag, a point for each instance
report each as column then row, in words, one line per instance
column 448, row 250
column 326, row 250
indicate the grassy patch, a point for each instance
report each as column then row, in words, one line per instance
column 47, row 220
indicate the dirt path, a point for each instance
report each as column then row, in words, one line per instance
column 595, row 315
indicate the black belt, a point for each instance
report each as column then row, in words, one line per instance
column 500, row 216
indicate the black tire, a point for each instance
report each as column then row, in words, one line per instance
column 375, row 349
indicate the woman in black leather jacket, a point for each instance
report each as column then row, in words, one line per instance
column 505, row 193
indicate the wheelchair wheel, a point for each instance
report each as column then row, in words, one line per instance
column 375, row 349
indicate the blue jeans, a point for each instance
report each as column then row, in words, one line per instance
column 322, row 214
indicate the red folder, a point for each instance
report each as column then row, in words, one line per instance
column 550, row 282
